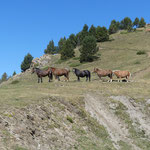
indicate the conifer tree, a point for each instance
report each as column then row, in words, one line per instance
column 26, row 62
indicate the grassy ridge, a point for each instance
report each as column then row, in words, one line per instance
column 120, row 53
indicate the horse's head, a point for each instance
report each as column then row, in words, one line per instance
column 95, row 70
column 73, row 70
column 33, row 70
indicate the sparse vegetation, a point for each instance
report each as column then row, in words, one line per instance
column 15, row 82
column 141, row 52
column 50, row 104
column 70, row 119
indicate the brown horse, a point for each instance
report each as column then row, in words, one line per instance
column 57, row 72
column 42, row 73
column 122, row 74
column 103, row 73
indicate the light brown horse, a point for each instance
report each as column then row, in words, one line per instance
column 103, row 73
column 122, row 74
column 57, row 72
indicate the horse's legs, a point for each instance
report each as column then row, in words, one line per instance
column 58, row 78
column 127, row 77
column 78, row 78
column 38, row 80
column 120, row 79
column 67, row 77
column 110, row 77
column 89, row 79
column 100, row 78
column 41, row 80
column 86, row 78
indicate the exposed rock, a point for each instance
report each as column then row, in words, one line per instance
column 42, row 61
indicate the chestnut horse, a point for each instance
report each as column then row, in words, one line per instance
column 57, row 72
column 103, row 73
column 42, row 73
column 122, row 74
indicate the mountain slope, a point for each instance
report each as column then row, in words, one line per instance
column 82, row 115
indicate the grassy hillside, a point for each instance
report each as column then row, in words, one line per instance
column 82, row 115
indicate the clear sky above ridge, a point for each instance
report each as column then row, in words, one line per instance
column 29, row 25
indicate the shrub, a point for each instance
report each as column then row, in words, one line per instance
column 141, row 52
column 70, row 119
column 137, row 63
column 15, row 82
column 74, row 64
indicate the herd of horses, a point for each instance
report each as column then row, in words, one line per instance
column 57, row 72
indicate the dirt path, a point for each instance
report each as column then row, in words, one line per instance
column 141, row 73
column 115, row 128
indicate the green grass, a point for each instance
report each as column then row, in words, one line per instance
column 117, row 54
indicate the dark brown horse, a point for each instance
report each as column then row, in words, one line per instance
column 122, row 74
column 42, row 73
column 103, row 73
column 57, row 72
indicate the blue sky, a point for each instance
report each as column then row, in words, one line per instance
column 29, row 25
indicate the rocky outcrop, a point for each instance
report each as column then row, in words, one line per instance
column 42, row 61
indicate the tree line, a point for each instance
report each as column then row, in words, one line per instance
column 126, row 24
column 86, row 40
column 5, row 77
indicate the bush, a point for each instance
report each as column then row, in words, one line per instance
column 88, row 49
column 70, row 119
column 15, row 82
column 74, row 64
column 141, row 53
column 137, row 63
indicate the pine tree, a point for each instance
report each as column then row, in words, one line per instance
column 136, row 22
column 14, row 73
column 102, row 34
column 88, row 49
column 4, row 77
column 126, row 23
column 142, row 23
column 61, row 43
column 81, row 35
column 26, row 62
column 92, row 31
column 67, row 50
column 114, row 26
column 51, row 49
column 73, row 40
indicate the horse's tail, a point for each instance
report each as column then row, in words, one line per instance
column 130, row 75
column 51, row 75
column 89, row 76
